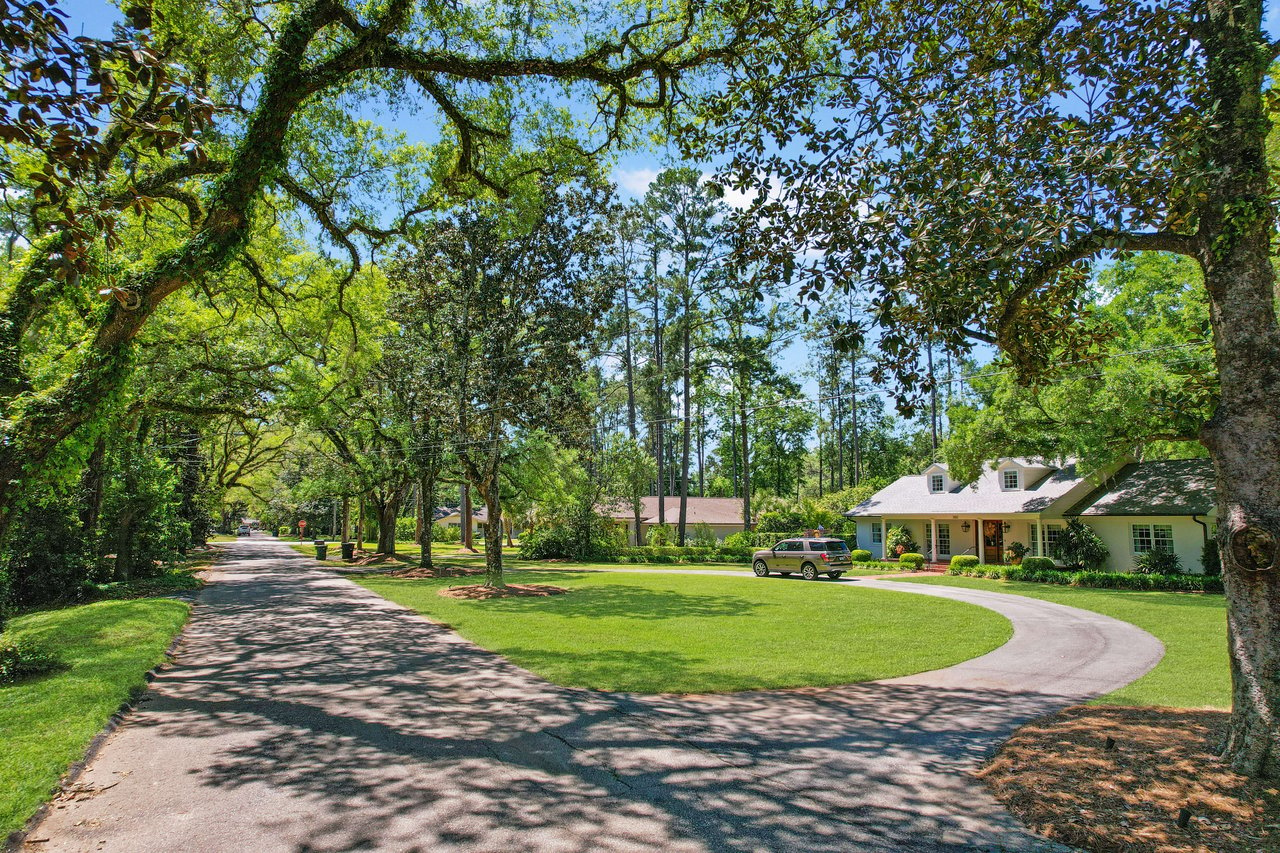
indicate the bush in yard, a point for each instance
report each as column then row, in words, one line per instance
column 897, row 540
column 447, row 534
column 860, row 555
column 1157, row 561
column 703, row 536
column 406, row 529
column 960, row 562
column 1080, row 547
column 913, row 561
column 740, row 539
column 46, row 559
column 1210, row 560
column 1038, row 564
column 21, row 659
column 659, row 535
column 780, row 522
column 283, row 531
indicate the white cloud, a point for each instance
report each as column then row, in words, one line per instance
column 634, row 181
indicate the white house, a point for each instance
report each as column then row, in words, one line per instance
column 1133, row 509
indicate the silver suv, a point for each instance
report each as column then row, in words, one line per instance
column 809, row 557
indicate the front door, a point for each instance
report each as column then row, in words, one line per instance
column 992, row 542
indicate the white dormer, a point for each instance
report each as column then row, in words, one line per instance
column 1014, row 475
column 937, row 480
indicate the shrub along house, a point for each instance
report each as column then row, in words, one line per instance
column 1137, row 507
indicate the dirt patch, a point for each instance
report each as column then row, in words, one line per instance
column 511, row 590
column 1059, row 777
column 436, row 572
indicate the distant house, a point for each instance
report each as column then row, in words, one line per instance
column 1137, row 507
column 722, row 515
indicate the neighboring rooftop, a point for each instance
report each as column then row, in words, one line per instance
column 1162, row 487
column 700, row 510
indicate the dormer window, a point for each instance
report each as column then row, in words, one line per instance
column 1010, row 480
column 936, row 483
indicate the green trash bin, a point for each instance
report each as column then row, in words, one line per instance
column 348, row 551
column 322, row 549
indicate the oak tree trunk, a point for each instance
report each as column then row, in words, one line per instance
column 1243, row 436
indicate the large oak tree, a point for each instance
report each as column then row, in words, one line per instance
column 964, row 163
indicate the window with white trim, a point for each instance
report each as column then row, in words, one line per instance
column 1033, row 536
column 944, row 539
column 1009, row 479
column 877, row 533
column 936, row 482
column 1149, row 537
column 1051, row 533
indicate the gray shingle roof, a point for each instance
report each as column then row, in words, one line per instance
column 1164, row 487
column 911, row 496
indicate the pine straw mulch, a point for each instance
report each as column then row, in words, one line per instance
column 1058, row 777
column 476, row 592
column 419, row 573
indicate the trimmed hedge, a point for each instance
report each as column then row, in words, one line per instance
column 1092, row 579
column 963, row 561
column 1039, row 564
column 915, row 561
column 688, row 554
column 859, row 555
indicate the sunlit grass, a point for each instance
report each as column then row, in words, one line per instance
column 46, row 722
column 668, row 633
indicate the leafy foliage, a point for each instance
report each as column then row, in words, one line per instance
column 1078, row 545
column 23, row 658
column 1157, row 561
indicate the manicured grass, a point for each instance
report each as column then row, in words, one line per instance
column 1193, row 627
column 667, row 633
column 46, row 722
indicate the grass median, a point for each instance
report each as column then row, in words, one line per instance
column 667, row 633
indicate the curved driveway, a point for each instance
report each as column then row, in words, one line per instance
column 305, row 713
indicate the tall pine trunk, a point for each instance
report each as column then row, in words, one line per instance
column 1243, row 436
column 427, row 493
column 687, row 421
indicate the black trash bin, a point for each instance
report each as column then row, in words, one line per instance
column 322, row 549
column 348, row 551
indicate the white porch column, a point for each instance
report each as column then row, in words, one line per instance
column 933, row 535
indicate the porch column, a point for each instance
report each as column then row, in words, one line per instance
column 933, row 535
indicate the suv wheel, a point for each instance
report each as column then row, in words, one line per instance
column 809, row 572
column 761, row 569
column 834, row 575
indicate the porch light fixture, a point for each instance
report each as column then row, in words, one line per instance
column 965, row 526
column 1007, row 527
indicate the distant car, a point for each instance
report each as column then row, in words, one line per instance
column 242, row 530
column 810, row 556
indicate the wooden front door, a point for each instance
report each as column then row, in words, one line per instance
column 992, row 542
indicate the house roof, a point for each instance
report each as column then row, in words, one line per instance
column 700, row 510
column 1163, row 487
column 911, row 496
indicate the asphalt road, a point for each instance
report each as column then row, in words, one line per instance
column 305, row 713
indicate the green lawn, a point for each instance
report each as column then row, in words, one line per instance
column 1193, row 627
column 667, row 633
column 47, row 722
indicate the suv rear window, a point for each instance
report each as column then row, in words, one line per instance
column 833, row 546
